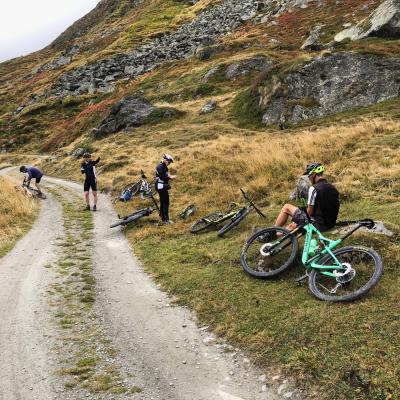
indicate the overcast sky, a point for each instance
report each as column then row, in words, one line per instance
column 30, row 25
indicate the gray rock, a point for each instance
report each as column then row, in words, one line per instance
column 77, row 153
column 301, row 189
column 379, row 229
column 209, row 107
column 241, row 68
column 329, row 84
column 312, row 42
column 129, row 112
column 213, row 23
column 211, row 73
column 383, row 22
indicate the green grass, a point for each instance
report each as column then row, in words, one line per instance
column 344, row 351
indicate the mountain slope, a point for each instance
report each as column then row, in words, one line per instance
column 279, row 105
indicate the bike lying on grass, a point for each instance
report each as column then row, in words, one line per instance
column 136, row 215
column 236, row 213
column 333, row 274
column 142, row 188
column 33, row 192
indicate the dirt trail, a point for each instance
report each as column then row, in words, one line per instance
column 26, row 331
column 159, row 347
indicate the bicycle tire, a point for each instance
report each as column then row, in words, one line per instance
column 261, row 266
column 206, row 222
column 317, row 283
column 234, row 221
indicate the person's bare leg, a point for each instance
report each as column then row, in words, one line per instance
column 95, row 198
column 286, row 211
column 38, row 187
column 87, row 198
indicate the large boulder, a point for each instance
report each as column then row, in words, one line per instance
column 327, row 85
column 129, row 112
column 383, row 22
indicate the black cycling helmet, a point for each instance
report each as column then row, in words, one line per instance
column 22, row 168
column 87, row 155
column 168, row 158
column 314, row 168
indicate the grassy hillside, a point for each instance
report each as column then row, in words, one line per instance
column 17, row 213
column 336, row 351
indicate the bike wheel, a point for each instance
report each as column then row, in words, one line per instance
column 257, row 262
column 234, row 221
column 206, row 222
column 365, row 272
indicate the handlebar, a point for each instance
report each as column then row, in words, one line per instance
column 259, row 212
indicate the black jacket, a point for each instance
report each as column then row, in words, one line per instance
column 88, row 168
column 162, row 173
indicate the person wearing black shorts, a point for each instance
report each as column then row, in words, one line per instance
column 322, row 205
column 88, row 168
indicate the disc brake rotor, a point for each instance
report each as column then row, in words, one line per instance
column 347, row 275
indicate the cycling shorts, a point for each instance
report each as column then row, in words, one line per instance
column 90, row 184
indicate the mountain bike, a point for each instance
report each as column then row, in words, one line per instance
column 334, row 274
column 235, row 214
column 33, row 192
column 142, row 188
column 136, row 215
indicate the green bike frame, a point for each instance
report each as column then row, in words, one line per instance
column 310, row 261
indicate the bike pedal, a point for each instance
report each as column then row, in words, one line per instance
column 301, row 278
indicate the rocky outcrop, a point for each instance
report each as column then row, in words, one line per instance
column 328, row 85
column 129, row 112
column 383, row 22
column 212, row 23
column 240, row 68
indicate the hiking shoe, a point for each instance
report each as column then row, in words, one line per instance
column 87, row 208
column 169, row 222
column 94, row 208
column 267, row 237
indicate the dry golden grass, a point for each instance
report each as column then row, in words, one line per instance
column 17, row 212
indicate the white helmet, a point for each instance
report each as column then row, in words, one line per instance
column 168, row 158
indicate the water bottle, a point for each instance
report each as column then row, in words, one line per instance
column 313, row 247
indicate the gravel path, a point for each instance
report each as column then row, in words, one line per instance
column 159, row 347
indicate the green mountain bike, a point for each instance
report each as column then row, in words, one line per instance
column 235, row 214
column 334, row 274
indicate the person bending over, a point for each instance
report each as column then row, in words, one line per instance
column 322, row 205
column 162, row 186
column 32, row 172
column 88, row 168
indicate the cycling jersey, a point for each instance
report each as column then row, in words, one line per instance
column 88, row 168
column 324, row 197
column 33, row 172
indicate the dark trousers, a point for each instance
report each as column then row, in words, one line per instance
column 164, row 204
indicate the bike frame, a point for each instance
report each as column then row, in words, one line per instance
column 311, row 261
column 236, row 209
column 328, row 245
